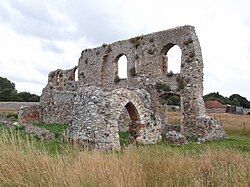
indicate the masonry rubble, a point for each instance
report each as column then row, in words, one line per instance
column 38, row 132
column 173, row 137
column 94, row 105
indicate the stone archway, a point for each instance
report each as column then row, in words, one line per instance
column 129, row 123
column 96, row 117
column 145, row 125
column 135, row 119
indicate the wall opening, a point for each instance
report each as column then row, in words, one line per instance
column 122, row 67
column 59, row 76
column 172, row 59
column 129, row 124
column 174, row 105
column 76, row 74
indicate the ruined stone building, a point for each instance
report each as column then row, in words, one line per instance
column 98, row 103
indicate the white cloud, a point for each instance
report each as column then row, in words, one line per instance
column 39, row 36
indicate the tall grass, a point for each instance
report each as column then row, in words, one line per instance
column 26, row 162
column 232, row 123
column 23, row 164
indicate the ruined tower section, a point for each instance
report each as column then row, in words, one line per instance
column 58, row 96
column 102, row 99
column 147, row 69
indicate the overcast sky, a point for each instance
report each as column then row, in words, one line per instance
column 39, row 36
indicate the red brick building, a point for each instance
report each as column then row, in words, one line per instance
column 215, row 107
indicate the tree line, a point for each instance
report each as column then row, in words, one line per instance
column 235, row 99
column 8, row 92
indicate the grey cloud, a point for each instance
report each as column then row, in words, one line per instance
column 50, row 46
column 33, row 19
column 17, row 78
column 96, row 23
column 92, row 20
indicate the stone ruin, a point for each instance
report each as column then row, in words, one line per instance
column 97, row 106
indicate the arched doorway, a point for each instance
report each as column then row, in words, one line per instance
column 129, row 124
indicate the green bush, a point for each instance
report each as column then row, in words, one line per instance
column 162, row 87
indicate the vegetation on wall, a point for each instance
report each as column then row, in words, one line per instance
column 133, row 72
column 8, row 92
column 162, row 87
column 174, row 100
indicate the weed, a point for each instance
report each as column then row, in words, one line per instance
column 170, row 74
column 162, row 87
column 151, row 51
column 117, row 79
column 132, row 72
column 136, row 41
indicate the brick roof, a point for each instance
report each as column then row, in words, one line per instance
column 214, row 104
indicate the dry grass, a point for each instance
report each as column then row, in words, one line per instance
column 232, row 123
column 174, row 118
column 23, row 164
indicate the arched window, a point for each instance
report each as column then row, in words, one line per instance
column 58, row 77
column 76, row 74
column 172, row 59
column 122, row 67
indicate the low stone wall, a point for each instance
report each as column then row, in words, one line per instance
column 14, row 106
column 215, row 110
column 38, row 132
column 30, row 114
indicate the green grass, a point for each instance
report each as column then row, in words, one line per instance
column 53, row 147
column 236, row 141
column 57, row 129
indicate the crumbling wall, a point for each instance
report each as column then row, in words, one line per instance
column 94, row 104
column 124, row 121
column 96, row 117
column 31, row 114
column 57, row 98
column 147, row 55
column 14, row 106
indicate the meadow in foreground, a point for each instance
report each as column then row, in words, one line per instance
column 26, row 161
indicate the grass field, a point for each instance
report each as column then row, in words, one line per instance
column 26, row 161
column 233, row 124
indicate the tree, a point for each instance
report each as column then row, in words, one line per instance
column 216, row 96
column 174, row 100
column 27, row 97
column 239, row 101
column 235, row 102
column 234, row 99
column 9, row 93
column 7, row 90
